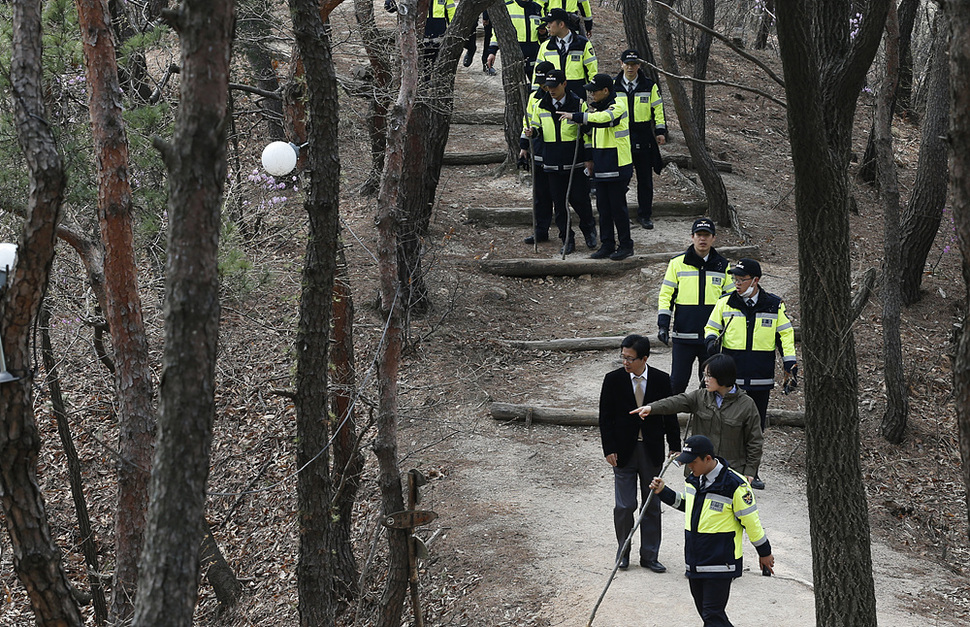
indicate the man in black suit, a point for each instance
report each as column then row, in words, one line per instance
column 635, row 447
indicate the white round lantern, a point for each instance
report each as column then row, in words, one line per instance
column 279, row 158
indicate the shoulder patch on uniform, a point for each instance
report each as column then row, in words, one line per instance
column 748, row 498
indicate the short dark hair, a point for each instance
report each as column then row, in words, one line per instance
column 722, row 368
column 638, row 343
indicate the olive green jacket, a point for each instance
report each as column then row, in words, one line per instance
column 734, row 428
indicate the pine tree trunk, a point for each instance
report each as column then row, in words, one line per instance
column 315, row 572
column 348, row 461
column 959, row 15
column 123, row 312
column 196, row 162
column 823, row 77
column 389, row 205
column 897, row 403
column 921, row 219
column 702, row 54
column 36, row 557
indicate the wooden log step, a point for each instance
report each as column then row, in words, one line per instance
column 474, row 158
column 576, row 265
column 573, row 417
column 522, row 216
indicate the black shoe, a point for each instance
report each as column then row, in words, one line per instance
column 532, row 239
column 602, row 253
column 646, row 223
column 757, row 483
column 624, row 561
column 653, row 565
column 469, row 57
column 569, row 246
column 622, row 253
column 590, row 239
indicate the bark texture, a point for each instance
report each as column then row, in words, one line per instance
column 922, row 217
column 36, row 558
column 702, row 54
column 196, row 163
column 824, row 73
column 897, row 403
column 959, row 15
column 314, row 486
column 122, row 307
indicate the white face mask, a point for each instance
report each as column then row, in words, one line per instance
column 748, row 292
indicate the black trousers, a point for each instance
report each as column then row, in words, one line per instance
column 760, row 398
column 611, row 205
column 578, row 198
column 682, row 356
column 542, row 200
column 710, row 599
column 639, row 466
column 642, row 165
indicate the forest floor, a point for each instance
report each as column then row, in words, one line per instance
column 524, row 534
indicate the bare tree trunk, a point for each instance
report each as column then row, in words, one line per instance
column 427, row 135
column 89, row 546
column 36, row 558
column 959, row 16
column 637, row 37
column 513, row 78
column 196, row 162
column 123, row 312
column 921, row 219
column 717, row 200
column 702, row 53
column 868, row 171
column 824, row 73
column 315, row 573
column 389, row 203
column 348, row 461
column 897, row 403
column 376, row 45
column 216, row 569
column 764, row 28
column 904, row 90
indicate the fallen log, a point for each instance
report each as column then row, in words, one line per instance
column 685, row 161
column 574, row 344
column 522, row 216
column 578, row 266
column 474, row 158
column 572, row 417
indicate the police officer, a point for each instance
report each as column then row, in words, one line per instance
column 569, row 51
column 440, row 14
column 610, row 165
column 562, row 157
column 719, row 508
column 692, row 285
column 648, row 128
column 542, row 201
column 579, row 8
column 750, row 323
column 526, row 17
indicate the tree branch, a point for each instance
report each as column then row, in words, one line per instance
column 754, row 90
column 727, row 42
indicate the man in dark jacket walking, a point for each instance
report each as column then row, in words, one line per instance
column 635, row 447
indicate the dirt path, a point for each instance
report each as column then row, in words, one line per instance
column 556, row 492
